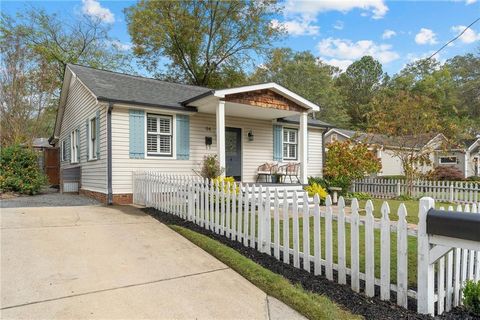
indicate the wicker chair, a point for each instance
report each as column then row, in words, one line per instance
column 290, row 170
column 266, row 170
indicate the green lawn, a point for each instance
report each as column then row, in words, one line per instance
column 311, row 305
column 411, row 205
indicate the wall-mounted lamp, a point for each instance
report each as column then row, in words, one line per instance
column 250, row 135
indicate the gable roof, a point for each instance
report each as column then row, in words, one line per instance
column 120, row 87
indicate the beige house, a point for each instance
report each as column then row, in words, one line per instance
column 464, row 157
column 111, row 124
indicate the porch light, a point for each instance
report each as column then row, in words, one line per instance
column 250, row 135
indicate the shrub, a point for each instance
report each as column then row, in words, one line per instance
column 211, row 167
column 347, row 161
column 360, row 196
column 471, row 296
column 223, row 181
column 446, row 173
column 19, row 171
column 315, row 188
column 319, row 180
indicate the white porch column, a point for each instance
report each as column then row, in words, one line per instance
column 221, row 133
column 303, row 150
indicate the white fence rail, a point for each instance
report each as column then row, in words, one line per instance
column 446, row 191
column 364, row 252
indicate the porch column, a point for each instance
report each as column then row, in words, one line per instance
column 303, row 149
column 221, row 133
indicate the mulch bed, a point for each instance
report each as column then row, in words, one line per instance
column 370, row 308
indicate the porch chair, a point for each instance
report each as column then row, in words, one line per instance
column 266, row 170
column 290, row 170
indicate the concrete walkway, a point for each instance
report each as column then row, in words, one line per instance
column 116, row 263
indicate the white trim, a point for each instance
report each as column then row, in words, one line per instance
column 174, row 138
column 92, row 154
column 297, row 138
column 272, row 86
column 303, row 147
column 473, row 145
column 74, row 146
column 329, row 132
column 220, row 128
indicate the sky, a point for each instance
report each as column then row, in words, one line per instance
column 338, row 32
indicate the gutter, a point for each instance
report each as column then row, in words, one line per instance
column 146, row 104
column 109, row 154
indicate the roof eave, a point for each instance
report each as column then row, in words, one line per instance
column 146, row 104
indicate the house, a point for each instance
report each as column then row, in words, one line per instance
column 111, row 124
column 465, row 157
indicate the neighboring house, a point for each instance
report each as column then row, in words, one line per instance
column 111, row 124
column 386, row 147
column 464, row 157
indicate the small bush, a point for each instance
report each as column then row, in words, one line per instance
column 19, row 171
column 405, row 197
column 360, row 196
column 471, row 296
column 319, row 180
column 315, row 188
column 211, row 167
column 222, row 182
column 446, row 173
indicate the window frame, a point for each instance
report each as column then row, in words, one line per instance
column 289, row 143
column 172, row 135
column 447, row 157
column 73, row 147
column 92, row 147
column 63, row 146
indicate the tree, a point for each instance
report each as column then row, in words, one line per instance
column 465, row 71
column 408, row 121
column 207, row 43
column 307, row 76
column 36, row 47
column 359, row 84
column 347, row 161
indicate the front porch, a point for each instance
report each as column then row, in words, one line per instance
column 261, row 137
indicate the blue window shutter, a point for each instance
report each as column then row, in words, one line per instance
column 77, row 132
column 183, row 136
column 137, row 134
column 87, row 144
column 97, row 133
column 277, row 143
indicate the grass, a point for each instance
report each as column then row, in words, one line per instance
column 411, row 205
column 311, row 305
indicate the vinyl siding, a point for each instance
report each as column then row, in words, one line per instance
column 391, row 165
column 315, row 155
column 80, row 106
column 254, row 152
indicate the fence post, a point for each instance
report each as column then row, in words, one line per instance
column 425, row 276
column 399, row 191
column 451, row 192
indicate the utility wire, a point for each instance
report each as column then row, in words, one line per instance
column 458, row 36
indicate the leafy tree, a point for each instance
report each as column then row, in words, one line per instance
column 207, row 43
column 347, row 161
column 359, row 84
column 306, row 75
column 36, row 47
column 465, row 71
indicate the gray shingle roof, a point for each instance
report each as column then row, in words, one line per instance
column 311, row 122
column 119, row 87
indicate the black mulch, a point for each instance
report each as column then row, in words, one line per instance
column 370, row 308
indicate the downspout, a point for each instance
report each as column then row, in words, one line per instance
column 324, row 154
column 109, row 153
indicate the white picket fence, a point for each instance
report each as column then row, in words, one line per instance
column 446, row 191
column 267, row 220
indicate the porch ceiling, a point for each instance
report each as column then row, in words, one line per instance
column 233, row 109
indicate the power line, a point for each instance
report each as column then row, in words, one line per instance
column 458, row 36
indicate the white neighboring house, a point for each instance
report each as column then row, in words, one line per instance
column 110, row 124
column 465, row 157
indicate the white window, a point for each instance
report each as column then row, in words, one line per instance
column 63, row 149
column 92, row 139
column 290, row 144
column 74, row 146
column 448, row 160
column 159, row 135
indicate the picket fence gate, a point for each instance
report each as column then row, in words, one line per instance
column 445, row 191
column 267, row 221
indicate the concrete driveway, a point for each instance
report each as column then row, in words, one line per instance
column 116, row 262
